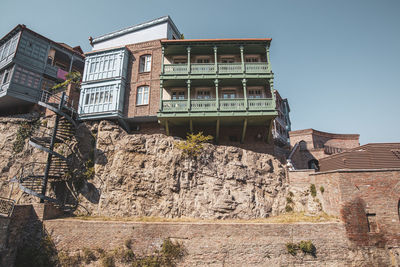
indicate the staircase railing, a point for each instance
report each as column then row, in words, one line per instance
column 6, row 206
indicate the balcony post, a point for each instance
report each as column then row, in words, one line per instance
column 162, row 60
column 188, row 99
column 242, row 57
column 244, row 131
column 271, row 85
column 216, row 93
column 244, row 82
column 268, row 62
column 72, row 62
column 188, row 58
column 161, row 95
column 215, row 59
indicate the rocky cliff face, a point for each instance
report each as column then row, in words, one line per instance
column 146, row 175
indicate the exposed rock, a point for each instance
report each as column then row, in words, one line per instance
column 145, row 175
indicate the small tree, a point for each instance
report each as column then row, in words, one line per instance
column 193, row 144
column 73, row 77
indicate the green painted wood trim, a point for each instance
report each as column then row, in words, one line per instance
column 216, row 92
column 242, row 57
column 249, row 114
column 188, row 59
column 188, row 99
column 216, row 59
column 218, row 76
column 268, row 61
column 244, row 131
column 161, row 94
column 162, row 59
column 246, row 104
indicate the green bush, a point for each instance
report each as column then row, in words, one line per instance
column 313, row 190
column 24, row 131
column 307, row 247
column 322, row 189
column 107, row 260
column 193, row 144
column 292, row 248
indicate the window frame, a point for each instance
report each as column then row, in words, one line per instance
column 140, row 95
column 145, row 62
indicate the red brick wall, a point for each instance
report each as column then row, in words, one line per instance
column 354, row 194
column 137, row 79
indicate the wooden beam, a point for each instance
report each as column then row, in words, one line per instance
column 244, row 131
column 269, row 139
column 191, row 125
column 166, row 127
column 217, row 132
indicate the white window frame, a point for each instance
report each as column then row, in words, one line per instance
column 178, row 93
column 145, row 63
column 200, row 93
column 142, row 95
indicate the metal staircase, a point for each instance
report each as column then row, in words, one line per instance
column 34, row 177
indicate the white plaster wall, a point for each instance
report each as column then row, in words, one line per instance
column 152, row 33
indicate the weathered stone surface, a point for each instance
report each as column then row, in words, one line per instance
column 146, row 175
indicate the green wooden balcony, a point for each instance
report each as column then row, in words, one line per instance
column 220, row 68
column 213, row 105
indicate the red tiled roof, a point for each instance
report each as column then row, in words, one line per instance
column 369, row 156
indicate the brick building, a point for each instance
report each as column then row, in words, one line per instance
column 145, row 74
column 362, row 186
column 309, row 146
column 31, row 63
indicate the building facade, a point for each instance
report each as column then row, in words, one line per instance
column 122, row 74
column 146, row 74
column 309, row 146
column 30, row 63
column 282, row 124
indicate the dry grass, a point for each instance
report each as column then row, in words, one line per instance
column 293, row 217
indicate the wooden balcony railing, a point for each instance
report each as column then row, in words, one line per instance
column 212, row 105
column 209, row 68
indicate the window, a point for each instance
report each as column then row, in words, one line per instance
column 203, row 94
column 180, row 60
column 255, row 93
column 142, row 97
column 178, row 95
column 145, row 63
column 372, row 224
column 203, row 60
column 228, row 94
column 227, row 60
column 252, row 59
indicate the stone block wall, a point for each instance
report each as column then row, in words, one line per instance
column 221, row 244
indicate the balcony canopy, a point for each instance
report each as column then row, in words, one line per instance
column 206, row 46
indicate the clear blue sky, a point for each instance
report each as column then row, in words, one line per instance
column 338, row 62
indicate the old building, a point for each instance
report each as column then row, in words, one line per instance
column 309, row 146
column 121, row 78
column 146, row 75
column 282, row 123
column 223, row 87
column 30, row 63
column 362, row 185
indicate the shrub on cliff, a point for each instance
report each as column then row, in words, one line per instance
column 193, row 145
